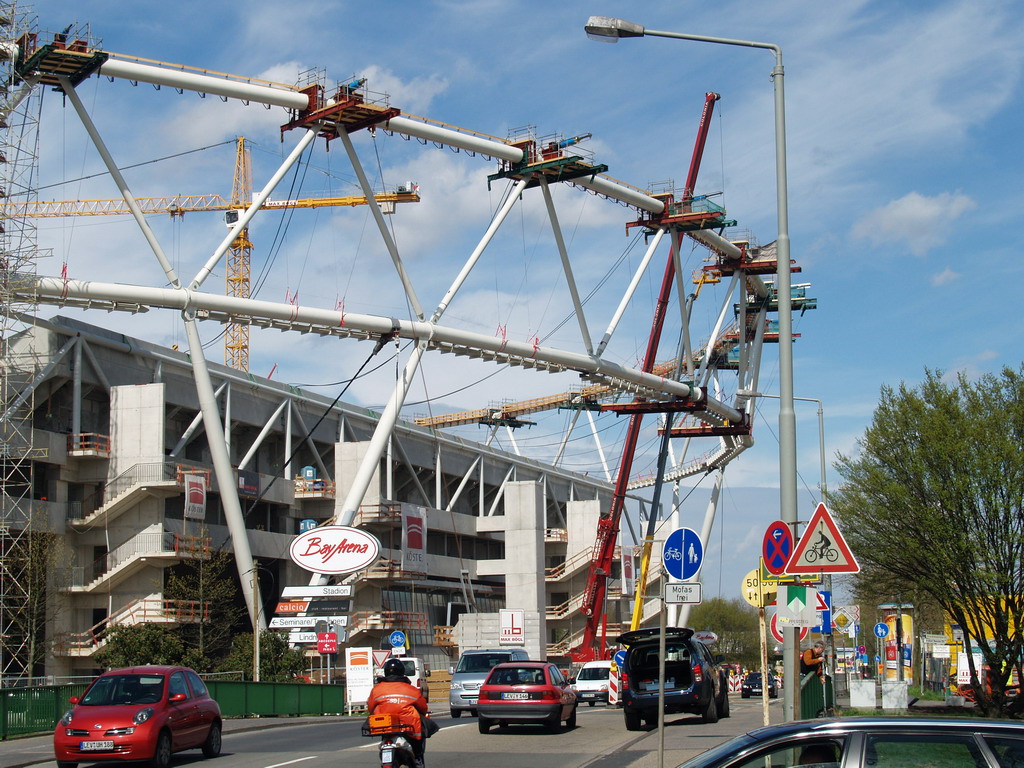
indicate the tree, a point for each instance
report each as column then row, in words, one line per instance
column 28, row 565
column 933, row 501
column 209, row 600
column 278, row 662
column 735, row 623
column 130, row 645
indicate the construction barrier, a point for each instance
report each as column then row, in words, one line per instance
column 613, row 685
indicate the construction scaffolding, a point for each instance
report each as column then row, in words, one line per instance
column 21, row 634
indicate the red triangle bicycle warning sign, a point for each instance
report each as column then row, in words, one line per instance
column 822, row 548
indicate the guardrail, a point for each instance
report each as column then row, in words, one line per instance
column 25, row 711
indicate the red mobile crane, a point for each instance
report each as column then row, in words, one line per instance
column 591, row 647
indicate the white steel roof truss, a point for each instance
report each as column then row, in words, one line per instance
column 566, row 265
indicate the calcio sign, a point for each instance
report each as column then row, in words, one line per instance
column 334, row 549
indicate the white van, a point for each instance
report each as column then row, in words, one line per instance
column 591, row 682
column 415, row 669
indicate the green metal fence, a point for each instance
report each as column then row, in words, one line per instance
column 25, row 711
column 817, row 699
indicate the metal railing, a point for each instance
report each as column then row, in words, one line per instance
column 135, row 475
column 147, row 609
column 148, row 543
column 26, row 711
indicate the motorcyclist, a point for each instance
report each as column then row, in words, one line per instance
column 395, row 695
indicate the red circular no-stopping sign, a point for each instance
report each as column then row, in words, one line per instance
column 776, row 547
column 777, row 631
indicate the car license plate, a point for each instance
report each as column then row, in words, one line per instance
column 96, row 746
column 515, row 695
column 385, row 755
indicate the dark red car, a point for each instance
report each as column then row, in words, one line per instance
column 526, row 692
column 141, row 713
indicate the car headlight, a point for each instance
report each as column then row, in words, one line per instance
column 142, row 715
column 66, row 720
column 456, row 686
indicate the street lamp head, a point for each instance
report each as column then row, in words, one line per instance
column 606, row 29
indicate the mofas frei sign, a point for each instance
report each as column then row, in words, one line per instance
column 334, row 549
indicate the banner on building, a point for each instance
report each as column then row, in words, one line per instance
column 195, row 497
column 358, row 675
column 628, row 572
column 414, row 538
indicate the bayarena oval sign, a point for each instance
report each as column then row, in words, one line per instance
column 334, row 549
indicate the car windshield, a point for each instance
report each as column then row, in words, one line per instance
column 754, row 677
column 410, row 668
column 593, row 673
column 479, row 662
column 124, row 689
column 517, row 676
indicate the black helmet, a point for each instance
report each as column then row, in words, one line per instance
column 394, row 667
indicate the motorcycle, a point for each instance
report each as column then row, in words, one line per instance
column 396, row 750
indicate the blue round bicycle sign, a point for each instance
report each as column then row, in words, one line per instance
column 683, row 553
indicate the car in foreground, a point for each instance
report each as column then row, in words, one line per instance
column 694, row 680
column 751, row 686
column 526, row 692
column 863, row 742
column 473, row 668
column 139, row 713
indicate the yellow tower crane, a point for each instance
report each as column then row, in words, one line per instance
column 236, row 339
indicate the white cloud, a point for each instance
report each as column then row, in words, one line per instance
column 917, row 222
column 945, row 277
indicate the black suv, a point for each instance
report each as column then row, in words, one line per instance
column 694, row 681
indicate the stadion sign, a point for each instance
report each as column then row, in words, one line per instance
column 334, row 549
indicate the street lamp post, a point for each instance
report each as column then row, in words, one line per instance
column 610, row 29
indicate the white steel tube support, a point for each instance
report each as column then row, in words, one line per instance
column 410, row 292
column 600, row 448
column 254, row 206
column 474, row 257
column 191, row 429
column 261, row 436
column 225, row 473
column 452, row 138
column 122, row 185
column 216, row 86
column 372, row 324
column 630, row 290
column 378, row 441
column 565, row 438
column 566, row 265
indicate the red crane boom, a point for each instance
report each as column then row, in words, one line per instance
column 591, row 647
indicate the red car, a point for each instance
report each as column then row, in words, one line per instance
column 141, row 713
column 526, row 692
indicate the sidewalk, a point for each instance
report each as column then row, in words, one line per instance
column 31, row 750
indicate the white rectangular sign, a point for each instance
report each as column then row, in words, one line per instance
column 329, row 590
column 304, row 638
column 511, row 627
column 306, row 622
column 358, row 674
column 682, row 592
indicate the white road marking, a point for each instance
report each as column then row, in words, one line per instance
column 291, row 762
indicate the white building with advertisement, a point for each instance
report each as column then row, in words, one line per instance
column 448, row 513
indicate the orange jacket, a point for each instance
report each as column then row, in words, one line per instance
column 401, row 699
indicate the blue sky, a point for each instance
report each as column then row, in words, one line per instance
column 904, row 164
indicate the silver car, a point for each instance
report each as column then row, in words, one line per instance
column 860, row 742
column 469, row 674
